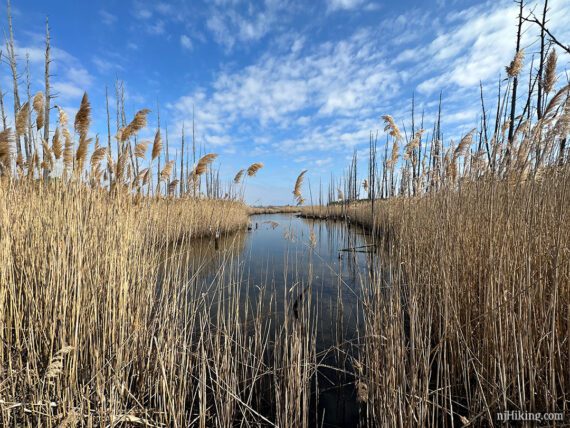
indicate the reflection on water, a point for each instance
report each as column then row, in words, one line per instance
column 284, row 260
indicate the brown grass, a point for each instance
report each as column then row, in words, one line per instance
column 468, row 312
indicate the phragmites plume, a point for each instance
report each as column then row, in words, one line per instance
column 67, row 149
column 56, row 146
column 298, row 185
column 391, row 127
column 62, row 117
column 253, row 168
column 464, row 144
column 238, row 176
column 99, row 153
column 395, row 154
column 172, row 186
column 361, row 392
column 166, row 171
column 450, row 166
column 140, row 149
column 413, row 144
column 48, row 160
column 550, row 71
column 110, row 161
column 138, row 123
column 120, row 167
column 558, row 99
column 515, row 67
column 143, row 176
column 81, row 154
column 563, row 125
column 157, row 145
column 55, row 366
column 38, row 104
column 6, row 139
column 203, row 163
column 22, row 119
column 20, row 160
column 83, row 117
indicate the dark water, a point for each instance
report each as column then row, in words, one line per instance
column 294, row 260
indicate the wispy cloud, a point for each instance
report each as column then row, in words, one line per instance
column 107, row 18
column 105, row 66
column 346, row 80
column 186, row 42
column 230, row 24
column 344, row 4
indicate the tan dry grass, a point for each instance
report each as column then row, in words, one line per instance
column 468, row 310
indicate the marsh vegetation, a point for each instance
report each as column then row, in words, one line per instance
column 136, row 289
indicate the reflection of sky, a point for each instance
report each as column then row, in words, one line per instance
column 278, row 256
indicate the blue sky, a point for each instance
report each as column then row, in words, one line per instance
column 293, row 84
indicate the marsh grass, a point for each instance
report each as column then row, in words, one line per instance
column 107, row 318
column 467, row 314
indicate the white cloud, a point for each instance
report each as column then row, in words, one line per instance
column 230, row 24
column 143, row 13
column 70, row 79
column 476, row 45
column 344, row 82
column 105, row 66
column 67, row 90
column 343, row 4
column 323, row 162
column 157, row 28
column 107, row 18
column 186, row 42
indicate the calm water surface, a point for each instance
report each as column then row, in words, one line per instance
column 291, row 259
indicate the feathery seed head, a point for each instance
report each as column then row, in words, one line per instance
column 157, row 145
column 238, row 176
column 22, row 119
column 83, row 117
column 550, row 71
column 514, row 69
column 253, row 168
